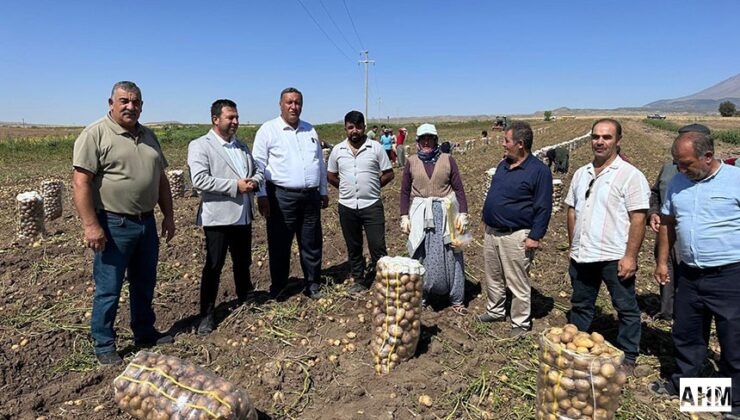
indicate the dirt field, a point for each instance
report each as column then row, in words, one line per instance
column 280, row 352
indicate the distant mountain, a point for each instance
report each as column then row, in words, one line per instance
column 705, row 101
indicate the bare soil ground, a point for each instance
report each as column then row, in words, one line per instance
column 280, row 351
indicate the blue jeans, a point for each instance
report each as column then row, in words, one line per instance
column 586, row 279
column 131, row 251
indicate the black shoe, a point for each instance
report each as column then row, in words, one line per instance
column 517, row 332
column 157, row 340
column 314, row 294
column 357, row 288
column 662, row 389
column 662, row 317
column 490, row 318
column 629, row 367
column 109, row 358
column 207, row 325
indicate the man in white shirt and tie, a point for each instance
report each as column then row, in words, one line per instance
column 223, row 171
column 288, row 150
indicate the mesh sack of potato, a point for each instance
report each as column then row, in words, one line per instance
column 177, row 182
column 155, row 386
column 580, row 375
column 557, row 194
column 30, row 214
column 396, row 311
column 51, row 191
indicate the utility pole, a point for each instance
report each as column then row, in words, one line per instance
column 366, row 62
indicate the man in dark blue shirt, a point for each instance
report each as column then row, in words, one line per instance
column 516, row 213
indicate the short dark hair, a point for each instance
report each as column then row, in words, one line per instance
column 355, row 117
column 700, row 142
column 694, row 128
column 126, row 86
column 484, row 133
column 374, row 127
column 219, row 105
column 290, row 90
column 611, row 121
column 521, row 132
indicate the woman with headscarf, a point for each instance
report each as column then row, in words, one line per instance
column 431, row 194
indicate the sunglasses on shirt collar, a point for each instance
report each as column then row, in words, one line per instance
column 590, row 185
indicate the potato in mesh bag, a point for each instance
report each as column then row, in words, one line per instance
column 156, row 386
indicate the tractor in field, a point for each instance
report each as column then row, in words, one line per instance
column 501, row 123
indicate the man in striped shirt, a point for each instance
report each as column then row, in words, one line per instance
column 607, row 206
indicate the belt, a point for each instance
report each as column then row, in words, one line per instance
column 713, row 270
column 505, row 229
column 137, row 217
column 295, row 190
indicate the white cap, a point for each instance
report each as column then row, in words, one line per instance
column 426, row 128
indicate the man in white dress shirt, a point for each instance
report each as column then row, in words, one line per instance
column 288, row 150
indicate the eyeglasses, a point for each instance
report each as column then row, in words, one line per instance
column 590, row 185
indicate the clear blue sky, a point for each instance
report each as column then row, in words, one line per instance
column 60, row 58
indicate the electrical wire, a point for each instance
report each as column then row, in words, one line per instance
column 353, row 24
column 324, row 32
column 331, row 19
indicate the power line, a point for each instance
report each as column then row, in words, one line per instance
column 353, row 24
column 324, row 32
column 351, row 47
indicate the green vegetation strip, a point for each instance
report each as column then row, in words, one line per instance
column 728, row 136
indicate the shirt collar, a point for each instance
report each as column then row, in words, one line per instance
column 345, row 144
column 711, row 176
column 230, row 143
column 287, row 126
column 616, row 163
column 118, row 129
column 522, row 165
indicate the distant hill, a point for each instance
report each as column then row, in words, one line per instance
column 705, row 101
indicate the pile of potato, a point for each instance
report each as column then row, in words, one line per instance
column 30, row 215
column 580, row 375
column 155, row 386
column 177, row 183
column 51, row 191
column 396, row 311
column 489, row 178
column 557, row 194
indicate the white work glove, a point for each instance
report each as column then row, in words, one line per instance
column 461, row 222
column 405, row 224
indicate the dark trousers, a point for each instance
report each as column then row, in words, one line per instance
column 371, row 219
column 237, row 240
column 294, row 214
column 586, row 279
column 132, row 251
column 701, row 295
column 668, row 291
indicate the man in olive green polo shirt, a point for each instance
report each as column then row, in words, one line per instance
column 118, row 178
